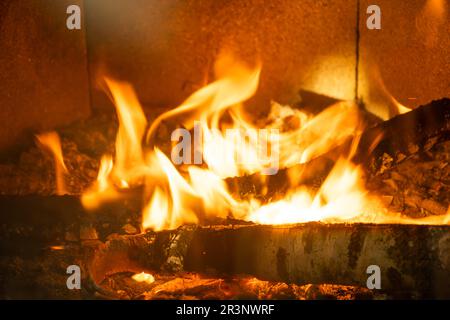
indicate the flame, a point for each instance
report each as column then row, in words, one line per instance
column 143, row 277
column 164, row 212
column 129, row 158
column 237, row 84
column 340, row 198
column 50, row 142
column 103, row 190
column 128, row 166
column 446, row 219
column 378, row 98
column 232, row 145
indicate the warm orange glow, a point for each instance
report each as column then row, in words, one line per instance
column 447, row 217
column 341, row 197
column 378, row 99
column 234, row 146
column 128, row 166
column 57, row 248
column 172, row 208
column 132, row 124
column 430, row 22
column 143, row 277
column 50, row 142
column 103, row 190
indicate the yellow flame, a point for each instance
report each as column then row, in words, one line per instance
column 50, row 141
column 103, row 190
column 129, row 158
column 170, row 209
column 377, row 97
column 192, row 193
column 143, row 277
column 237, row 84
column 446, row 219
column 129, row 166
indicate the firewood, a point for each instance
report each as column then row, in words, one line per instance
column 37, row 221
column 412, row 259
column 49, row 218
column 379, row 147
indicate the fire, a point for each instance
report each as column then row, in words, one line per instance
column 172, row 208
column 230, row 144
column 50, row 142
column 102, row 191
column 128, row 166
column 143, row 277
column 378, row 98
column 129, row 158
column 341, row 197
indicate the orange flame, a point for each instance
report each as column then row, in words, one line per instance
column 103, row 190
column 132, row 124
column 191, row 193
column 170, row 209
column 51, row 143
column 378, row 98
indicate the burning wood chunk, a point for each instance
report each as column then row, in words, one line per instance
column 392, row 151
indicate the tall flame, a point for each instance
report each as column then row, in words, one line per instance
column 378, row 98
column 50, row 142
column 172, row 208
column 128, row 166
column 233, row 146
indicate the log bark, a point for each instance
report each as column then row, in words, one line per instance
column 401, row 133
column 413, row 259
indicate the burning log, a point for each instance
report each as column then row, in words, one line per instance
column 406, row 133
column 51, row 218
column 409, row 168
column 397, row 138
column 413, row 260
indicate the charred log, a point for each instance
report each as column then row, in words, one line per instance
column 396, row 139
column 412, row 259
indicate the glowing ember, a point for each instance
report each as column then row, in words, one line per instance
column 196, row 189
column 143, row 277
column 57, row 248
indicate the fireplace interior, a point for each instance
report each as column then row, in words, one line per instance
column 225, row 150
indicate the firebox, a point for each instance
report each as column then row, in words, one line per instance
column 225, row 149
